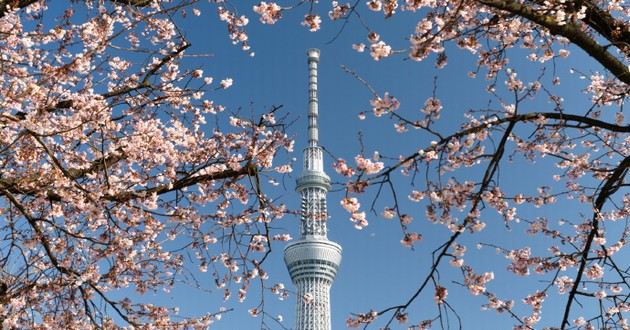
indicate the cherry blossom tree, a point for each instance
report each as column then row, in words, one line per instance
column 109, row 180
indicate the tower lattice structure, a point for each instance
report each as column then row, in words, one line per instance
column 313, row 260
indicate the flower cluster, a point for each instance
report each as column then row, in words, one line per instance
column 269, row 13
column 440, row 294
column 312, row 22
column 381, row 106
column 338, row 11
column 380, row 50
column 342, row 168
column 363, row 318
column 409, row 239
column 432, row 108
column 368, row 166
column 476, row 283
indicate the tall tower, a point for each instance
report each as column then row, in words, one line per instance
column 313, row 260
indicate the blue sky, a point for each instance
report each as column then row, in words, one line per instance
column 376, row 271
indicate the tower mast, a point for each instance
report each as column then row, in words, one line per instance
column 313, row 260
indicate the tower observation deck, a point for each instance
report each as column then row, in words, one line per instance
column 313, row 260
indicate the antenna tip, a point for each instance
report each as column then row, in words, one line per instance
column 313, row 54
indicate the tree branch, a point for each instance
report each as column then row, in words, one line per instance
column 605, row 24
column 587, row 121
column 249, row 169
column 570, row 31
column 609, row 188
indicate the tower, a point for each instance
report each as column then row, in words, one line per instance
column 313, row 260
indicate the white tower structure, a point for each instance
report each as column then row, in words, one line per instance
column 313, row 260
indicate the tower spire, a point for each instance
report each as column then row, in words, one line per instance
column 313, row 260
column 313, row 130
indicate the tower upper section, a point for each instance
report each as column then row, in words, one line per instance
column 313, row 184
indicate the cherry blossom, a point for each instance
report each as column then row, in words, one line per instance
column 409, row 239
column 595, row 272
column 341, row 167
column 368, row 166
column 226, row 83
column 389, row 213
column 312, row 22
column 360, row 47
column 338, row 11
column 269, row 13
column 380, row 50
column 114, row 176
column 381, row 106
column 350, row 204
column 440, row 294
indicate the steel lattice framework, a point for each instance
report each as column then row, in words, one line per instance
column 313, row 260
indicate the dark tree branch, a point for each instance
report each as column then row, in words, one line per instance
column 249, row 169
column 605, row 24
column 570, row 31
column 610, row 187
column 562, row 117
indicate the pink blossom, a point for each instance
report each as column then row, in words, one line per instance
column 416, row 196
column 342, row 168
column 440, row 294
column 599, row 240
column 600, row 294
column 284, row 169
column 226, row 83
column 198, row 73
column 409, row 239
column 258, row 243
column 269, row 13
column 366, row 165
column 456, row 262
column 476, row 283
column 338, row 11
column 373, row 37
column 359, row 220
column 400, row 127
column 360, row 47
column 375, row 5
column 380, row 50
column 254, row 312
column 282, row 237
column 521, row 260
column 580, row 321
column 458, row 250
column 381, row 106
column 616, row 289
column 432, row 107
column 594, row 272
column 389, row 213
column 350, row 204
column 312, row 22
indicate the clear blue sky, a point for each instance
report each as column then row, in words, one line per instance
column 376, row 271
